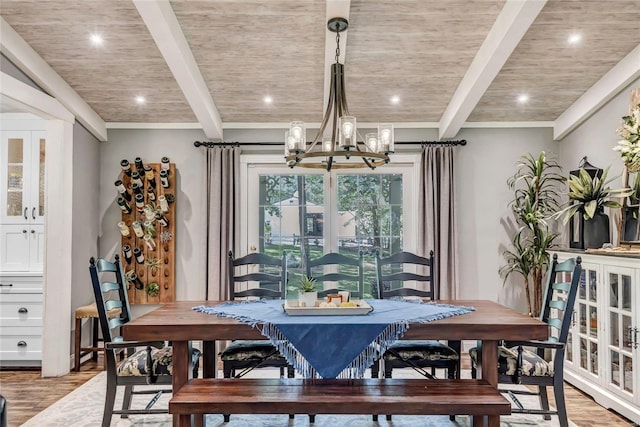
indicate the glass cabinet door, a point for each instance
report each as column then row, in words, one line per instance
column 22, row 167
column 620, row 313
column 15, row 178
column 584, row 333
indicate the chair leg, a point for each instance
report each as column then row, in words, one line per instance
column 109, row 400
column 375, row 369
column 77, row 341
column 558, row 392
column 291, row 372
column 544, row 400
column 94, row 337
column 312, row 418
column 126, row 400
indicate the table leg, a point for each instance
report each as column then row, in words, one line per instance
column 488, row 370
column 181, row 358
column 209, row 359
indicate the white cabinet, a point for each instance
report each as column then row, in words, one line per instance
column 21, row 312
column 22, row 238
column 603, row 354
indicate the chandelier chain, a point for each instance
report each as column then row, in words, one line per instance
column 337, row 46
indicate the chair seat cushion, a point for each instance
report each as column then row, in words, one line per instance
column 420, row 350
column 250, row 350
column 532, row 364
column 136, row 364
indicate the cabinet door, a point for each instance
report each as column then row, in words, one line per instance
column 583, row 354
column 14, row 252
column 36, row 247
column 36, row 180
column 15, row 164
column 621, row 368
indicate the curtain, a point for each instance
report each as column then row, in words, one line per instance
column 223, row 213
column 437, row 220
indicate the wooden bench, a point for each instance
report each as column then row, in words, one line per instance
column 332, row 396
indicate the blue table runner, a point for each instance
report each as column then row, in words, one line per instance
column 334, row 346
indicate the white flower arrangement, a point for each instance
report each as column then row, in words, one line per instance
column 629, row 146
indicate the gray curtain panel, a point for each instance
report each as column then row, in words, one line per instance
column 437, row 223
column 223, row 228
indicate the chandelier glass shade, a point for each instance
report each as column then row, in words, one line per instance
column 338, row 144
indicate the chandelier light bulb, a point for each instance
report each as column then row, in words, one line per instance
column 347, row 131
column 297, row 132
column 372, row 142
column 385, row 134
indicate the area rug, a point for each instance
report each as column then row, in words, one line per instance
column 83, row 408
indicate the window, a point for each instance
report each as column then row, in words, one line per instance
column 306, row 211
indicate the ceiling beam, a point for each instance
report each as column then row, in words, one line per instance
column 19, row 94
column 335, row 9
column 167, row 33
column 616, row 79
column 31, row 64
column 511, row 25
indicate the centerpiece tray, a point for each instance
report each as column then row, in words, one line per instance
column 362, row 307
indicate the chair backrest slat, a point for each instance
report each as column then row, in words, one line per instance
column 560, row 295
column 110, row 292
column 391, row 270
column 353, row 282
column 271, row 275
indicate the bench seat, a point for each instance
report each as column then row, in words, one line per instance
column 338, row 396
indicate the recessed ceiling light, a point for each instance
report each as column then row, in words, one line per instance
column 140, row 100
column 268, row 100
column 523, row 99
column 395, row 99
column 574, row 38
column 96, row 39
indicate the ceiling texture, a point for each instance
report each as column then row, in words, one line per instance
column 213, row 61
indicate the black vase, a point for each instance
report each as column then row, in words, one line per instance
column 596, row 231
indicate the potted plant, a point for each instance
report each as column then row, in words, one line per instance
column 589, row 196
column 629, row 145
column 307, row 295
column 537, row 198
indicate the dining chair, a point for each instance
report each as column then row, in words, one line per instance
column 270, row 276
column 350, row 273
column 525, row 363
column 393, row 274
column 148, row 362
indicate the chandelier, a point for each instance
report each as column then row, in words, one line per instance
column 338, row 144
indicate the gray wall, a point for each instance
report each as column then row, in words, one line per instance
column 151, row 146
column 8, row 67
column 595, row 138
column 85, row 211
column 488, row 159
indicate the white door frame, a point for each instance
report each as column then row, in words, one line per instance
column 56, row 334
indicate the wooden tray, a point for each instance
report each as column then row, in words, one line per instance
column 362, row 308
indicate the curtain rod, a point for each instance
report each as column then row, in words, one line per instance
column 209, row 144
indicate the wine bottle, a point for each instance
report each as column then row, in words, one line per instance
column 139, row 202
column 164, row 178
column 124, row 228
column 124, row 205
column 148, row 240
column 162, row 219
column 126, row 249
column 122, row 190
column 137, row 228
column 137, row 253
column 151, row 195
column 135, row 176
column 136, row 281
column 164, row 164
column 139, row 165
column 149, row 176
column 126, row 167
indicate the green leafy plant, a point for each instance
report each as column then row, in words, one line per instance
column 307, row 284
column 153, row 289
column 629, row 145
column 536, row 198
column 589, row 195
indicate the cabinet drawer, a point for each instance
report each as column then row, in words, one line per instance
column 20, row 313
column 25, row 344
column 20, row 284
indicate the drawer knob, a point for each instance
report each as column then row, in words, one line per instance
column 22, row 344
column 23, row 310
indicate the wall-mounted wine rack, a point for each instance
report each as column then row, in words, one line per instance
column 148, row 245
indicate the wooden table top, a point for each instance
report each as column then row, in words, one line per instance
column 491, row 321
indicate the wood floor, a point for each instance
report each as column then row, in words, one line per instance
column 27, row 394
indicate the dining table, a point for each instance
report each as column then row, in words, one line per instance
column 179, row 323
